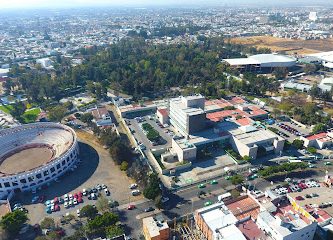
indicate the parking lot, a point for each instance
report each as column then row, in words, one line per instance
column 96, row 168
column 165, row 132
column 290, row 130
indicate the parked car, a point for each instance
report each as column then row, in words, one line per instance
column 136, row 192
column 107, row 192
column 133, row 186
column 131, row 207
column 149, row 209
column 35, row 199
column 84, row 192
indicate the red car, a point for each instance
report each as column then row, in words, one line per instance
column 131, row 207
column 56, row 208
column 299, row 198
column 80, row 194
column 79, row 200
column 75, row 196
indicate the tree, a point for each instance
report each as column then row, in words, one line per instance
column 114, row 231
column 312, row 150
column 12, row 222
column 89, row 211
column 320, row 127
column 47, row 223
column 87, row 118
column 57, row 113
column 18, row 110
column 102, row 204
column 69, row 105
column 124, row 166
column 237, row 179
column 98, row 225
column 152, row 190
column 280, row 73
column 246, row 158
column 158, row 202
column 297, row 143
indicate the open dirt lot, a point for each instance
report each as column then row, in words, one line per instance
column 96, row 168
column 289, row 46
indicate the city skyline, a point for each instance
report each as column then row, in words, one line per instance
column 32, row 4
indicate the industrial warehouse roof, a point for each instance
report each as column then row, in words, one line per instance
column 266, row 58
column 260, row 59
column 242, row 61
column 326, row 84
column 324, row 56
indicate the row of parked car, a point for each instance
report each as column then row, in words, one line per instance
column 289, row 129
column 296, row 186
column 70, row 200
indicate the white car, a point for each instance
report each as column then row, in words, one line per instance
column 66, row 204
column 78, row 213
column 66, row 197
column 84, row 192
column 70, row 203
column 52, row 208
column 75, row 201
column 136, row 192
column 133, row 186
column 70, row 196
column 107, row 192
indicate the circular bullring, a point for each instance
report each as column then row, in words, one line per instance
column 34, row 154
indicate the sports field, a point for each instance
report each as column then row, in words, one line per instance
column 289, row 46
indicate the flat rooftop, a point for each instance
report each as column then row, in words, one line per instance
column 325, row 196
column 209, row 135
column 179, row 102
column 154, row 227
column 253, row 137
column 283, row 226
column 244, row 207
column 251, row 230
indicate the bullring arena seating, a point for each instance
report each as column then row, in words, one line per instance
column 59, row 139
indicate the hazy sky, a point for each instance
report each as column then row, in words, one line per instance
column 4, row 4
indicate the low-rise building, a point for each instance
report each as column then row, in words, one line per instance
column 101, row 116
column 162, row 115
column 217, row 222
column 155, row 229
column 286, row 228
column 249, row 141
column 320, row 140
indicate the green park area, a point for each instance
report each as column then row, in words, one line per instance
column 6, row 108
column 31, row 115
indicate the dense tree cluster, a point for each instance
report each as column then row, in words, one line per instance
column 285, row 167
column 141, row 69
column 12, row 222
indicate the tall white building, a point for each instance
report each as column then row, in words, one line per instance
column 313, row 16
column 187, row 114
column 45, row 62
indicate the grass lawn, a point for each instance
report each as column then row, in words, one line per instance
column 6, row 108
column 31, row 115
